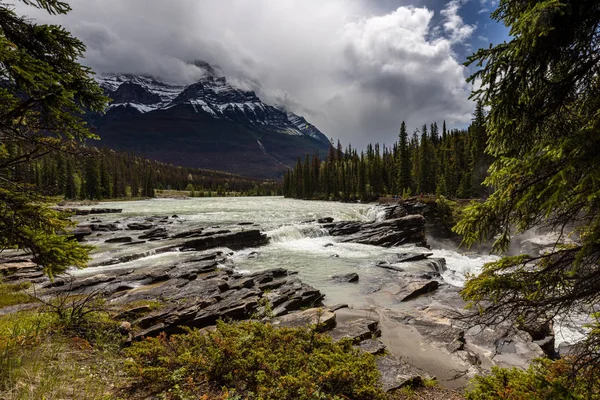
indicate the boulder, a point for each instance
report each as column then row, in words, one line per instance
column 408, row 257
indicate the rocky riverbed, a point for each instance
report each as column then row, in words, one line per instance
column 190, row 273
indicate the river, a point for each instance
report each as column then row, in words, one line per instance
column 295, row 244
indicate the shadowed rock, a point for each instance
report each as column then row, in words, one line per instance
column 394, row 232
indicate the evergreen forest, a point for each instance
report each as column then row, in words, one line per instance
column 447, row 162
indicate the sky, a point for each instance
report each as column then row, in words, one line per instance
column 354, row 68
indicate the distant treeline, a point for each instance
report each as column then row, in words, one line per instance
column 96, row 174
column 451, row 163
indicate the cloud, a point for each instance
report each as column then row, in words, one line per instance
column 352, row 69
column 483, row 38
column 454, row 25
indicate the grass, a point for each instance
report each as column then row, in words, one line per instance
column 13, row 294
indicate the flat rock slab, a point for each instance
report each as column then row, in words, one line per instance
column 372, row 346
column 356, row 330
column 396, row 374
column 393, row 232
column 322, row 318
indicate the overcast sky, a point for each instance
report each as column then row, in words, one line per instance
column 354, row 68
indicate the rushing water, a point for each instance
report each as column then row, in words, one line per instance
column 295, row 244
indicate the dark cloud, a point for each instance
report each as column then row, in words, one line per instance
column 353, row 68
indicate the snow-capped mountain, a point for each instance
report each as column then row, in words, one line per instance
column 220, row 120
column 212, row 95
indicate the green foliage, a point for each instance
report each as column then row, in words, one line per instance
column 254, row 360
column 543, row 380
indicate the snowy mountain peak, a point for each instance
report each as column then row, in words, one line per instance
column 212, row 95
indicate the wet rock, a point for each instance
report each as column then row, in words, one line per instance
column 321, row 318
column 334, row 256
column 139, row 226
column 416, row 288
column 387, row 265
column 245, row 223
column 394, row 232
column 328, row 245
column 396, row 374
column 123, row 239
column 352, row 277
column 372, row 346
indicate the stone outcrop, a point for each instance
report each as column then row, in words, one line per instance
column 388, row 233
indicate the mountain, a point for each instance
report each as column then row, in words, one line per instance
column 208, row 124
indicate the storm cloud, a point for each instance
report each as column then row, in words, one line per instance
column 354, row 70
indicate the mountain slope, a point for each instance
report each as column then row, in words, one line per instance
column 208, row 124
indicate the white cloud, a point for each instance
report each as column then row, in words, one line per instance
column 353, row 73
column 454, row 25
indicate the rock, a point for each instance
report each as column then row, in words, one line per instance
column 188, row 234
column 352, row 277
column 139, row 226
column 416, row 288
column 326, row 220
column 334, row 256
column 357, row 330
column 371, row 346
column 78, row 211
column 133, row 312
column 80, row 233
column 175, row 216
column 125, row 327
column 245, row 223
column 394, row 232
column 338, row 307
column 322, row 318
column 123, row 239
column 232, row 240
column 396, row 374
column 408, row 257
column 156, row 233
column 386, row 265
column 328, row 245
column 457, row 344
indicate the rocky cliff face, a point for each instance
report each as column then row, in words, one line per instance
column 208, row 124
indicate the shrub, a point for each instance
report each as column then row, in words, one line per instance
column 254, row 360
column 545, row 379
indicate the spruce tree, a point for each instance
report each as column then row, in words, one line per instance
column 544, row 130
